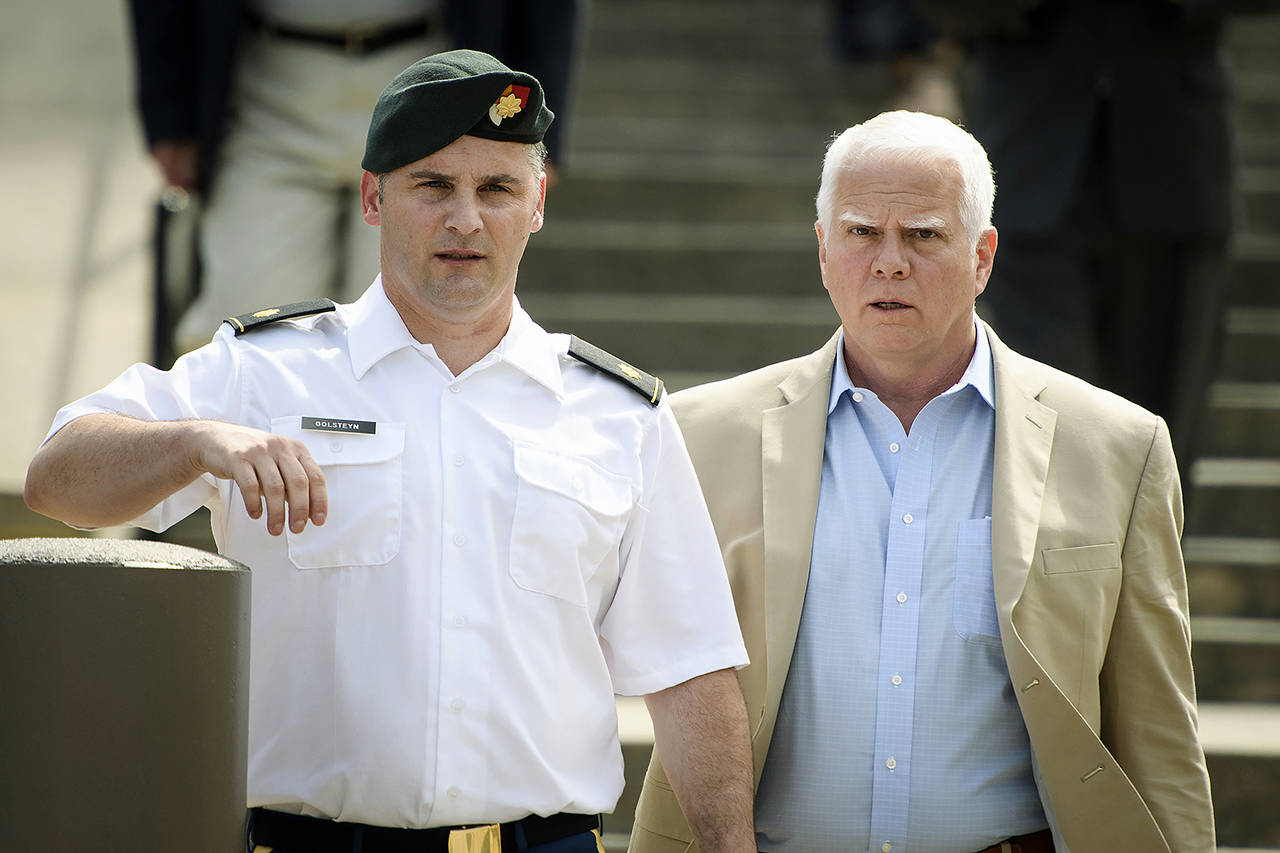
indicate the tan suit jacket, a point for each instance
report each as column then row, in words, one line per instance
column 1089, row 584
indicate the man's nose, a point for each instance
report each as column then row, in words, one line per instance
column 891, row 261
column 463, row 216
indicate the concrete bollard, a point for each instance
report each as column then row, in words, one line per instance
column 124, row 693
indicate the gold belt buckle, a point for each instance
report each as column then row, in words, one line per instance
column 476, row 839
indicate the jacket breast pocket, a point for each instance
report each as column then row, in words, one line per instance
column 974, row 610
column 364, row 482
column 1083, row 558
column 569, row 518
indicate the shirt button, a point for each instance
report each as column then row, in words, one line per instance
column 459, row 540
column 896, row 680
column 901, row 597
column 459, row 621
column 335, row 446
column 455, row 389
column 454, row 793
column 891, row 763
column 908, row 518
column 456, row 706
column 894, row 448
column 857, row 396
column 886, row 847
column 459, row 460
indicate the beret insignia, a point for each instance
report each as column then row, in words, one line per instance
column 512, row 100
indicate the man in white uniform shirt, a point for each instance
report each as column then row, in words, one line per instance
column 475, row 531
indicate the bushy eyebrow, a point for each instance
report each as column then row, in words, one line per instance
column 854, row 217
column 432, row 175
column 932, row 223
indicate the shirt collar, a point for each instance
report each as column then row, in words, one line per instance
column 532, row 350
column 979, row 373
column 376, row 330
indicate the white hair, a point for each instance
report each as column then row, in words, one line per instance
column 917, row 138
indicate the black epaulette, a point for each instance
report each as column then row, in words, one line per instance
column 249, row 322
column 646, row 385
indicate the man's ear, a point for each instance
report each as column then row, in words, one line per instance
column 986, row 251
column 539, row 214
column 822, row 251
column 370, row 204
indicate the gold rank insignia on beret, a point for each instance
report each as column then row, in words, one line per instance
column 646, row 385
column 512, row 100
column 248, row 322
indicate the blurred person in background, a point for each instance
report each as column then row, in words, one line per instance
column 1108, row 123
column 258, row 109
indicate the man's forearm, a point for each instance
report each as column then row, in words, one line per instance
column 702, row 738
column 105, row 469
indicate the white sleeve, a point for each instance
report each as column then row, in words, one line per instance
column 672, row 617
column 201, row 384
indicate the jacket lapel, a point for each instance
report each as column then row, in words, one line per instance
column 792, row 437
column 1024, row 437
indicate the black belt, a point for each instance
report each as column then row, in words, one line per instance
column 356, row 40
column 318, row 835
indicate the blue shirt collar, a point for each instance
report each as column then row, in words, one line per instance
column 979, row 373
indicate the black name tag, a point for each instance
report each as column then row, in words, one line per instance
column 339, row 425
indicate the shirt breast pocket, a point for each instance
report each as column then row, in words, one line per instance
column 569, row 517
column 974, row 611
column 364, row 482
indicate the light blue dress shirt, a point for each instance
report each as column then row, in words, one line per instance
column 898, row 730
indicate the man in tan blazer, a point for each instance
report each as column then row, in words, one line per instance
column 1089, row 739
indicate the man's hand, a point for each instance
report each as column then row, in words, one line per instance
column 266, row 467
column 106, row 469
column 177, row 161
column 700, row 732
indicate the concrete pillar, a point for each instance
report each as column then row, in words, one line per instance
column 124, row 690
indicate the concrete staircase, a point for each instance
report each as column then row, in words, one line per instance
column 681, row 240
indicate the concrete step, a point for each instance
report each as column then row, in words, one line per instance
column 654, row 258
column 1242, row 745
column 1242, row 429
column 764, row 31
column 1245, row 591
column 747, row 131
column 1255, row 269
column 1235, row 658
column 1260, row 196
column 1251, row 348
column 763, row 197
column 1236, row 509
column 707, row 332
column 1257, row 147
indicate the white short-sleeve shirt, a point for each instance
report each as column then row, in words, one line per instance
column 505, row 551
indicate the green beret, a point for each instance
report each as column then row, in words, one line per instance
column 438, row 99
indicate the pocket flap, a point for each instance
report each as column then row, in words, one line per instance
column 573, row 477
column 1084, row 558
column 335, row 448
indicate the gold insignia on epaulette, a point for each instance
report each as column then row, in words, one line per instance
column 266, row 312
column 629, row 371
